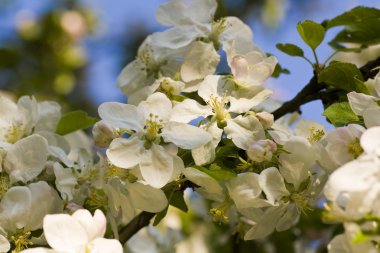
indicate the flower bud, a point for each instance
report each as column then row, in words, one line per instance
column 103, row 134
column 266, row 119
column 261, row 150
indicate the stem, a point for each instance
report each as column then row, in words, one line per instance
column 316, row 61
column 329, row 58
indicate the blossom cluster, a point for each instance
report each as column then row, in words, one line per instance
column 186, row 125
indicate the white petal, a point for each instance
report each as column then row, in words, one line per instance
column 273, row 184
column 39, row 250
column 122, row 115
column 44, row 200
column 189, row 110
column 156, row 166
column 235, row 30
column 171, row 13
column 65, row 181
column 209, row 187
column 4, row 244
column 290, row 218
column 244, row 104
column 294, row 173
column 102, row 245
column 266, row 224
column 300, row 151
column 201, row 60
column 95, row 226
column 26, row 159
column 370, row 140
column 206, row 154
column 147, row 198
column 64, row 233
column 245, row 191
column 371, row 117
column 244, row 130
column 359, row 102
column 125, row 153
column 176, row 37
column 15, row 207
column 49, row 114
column 212, row 86
column 157, row 104
column 185, row 136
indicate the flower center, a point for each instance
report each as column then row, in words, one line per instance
column 4, row 184
column 219, row 212
column 152, row 127
column 354, row 148
column 218, row 105
column 300, row 200
column 217, row 28
column 14, row 133
column 315, row 135
column 21, row 240
column 152, row 67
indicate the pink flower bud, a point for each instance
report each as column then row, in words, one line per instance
column 266, row 119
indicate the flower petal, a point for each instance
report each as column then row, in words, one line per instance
column 185, row 136
column 26, row 159
column 156, row 166
column 122, row 116
column 64, row 233
column 125, row 153
column 147, row 198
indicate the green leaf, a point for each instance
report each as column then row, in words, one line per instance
column 217, row 172
column 312, row 33
column 161, row 215
column 290, row 49
column 279, row 70
column 361, row 25
column 74, row 121
column 341, row 114
column 344, row 76
column 178, row 201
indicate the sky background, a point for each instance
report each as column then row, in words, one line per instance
column 119, row 20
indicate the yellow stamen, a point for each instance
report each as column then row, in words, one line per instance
column 152, row 128
column 315, row 135
column 14, row 133
column 21, row 240
column 354, row 148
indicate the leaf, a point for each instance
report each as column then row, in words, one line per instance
column 73, row 121
column 217, row 172
column 312, row 33
column 279, row 70
column 290, row 49
column 344, row 76
column 178, row 201
column 362, row 26
column 340, row 114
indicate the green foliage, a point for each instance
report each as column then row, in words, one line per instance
column 278, row 70
column 361, row 25
column 217, row 172
column 74, row 121
column 290, row 49
column 343, row 75
column 175, row 198
column 340, row 114
column 312, row 33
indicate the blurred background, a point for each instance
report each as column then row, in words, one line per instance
column 72, row 51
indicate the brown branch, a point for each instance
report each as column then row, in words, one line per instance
column 313, row 89
column 137, row 223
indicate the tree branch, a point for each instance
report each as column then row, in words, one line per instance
column 312, row 90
